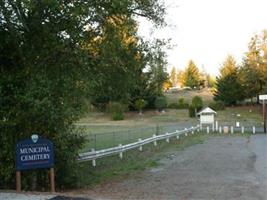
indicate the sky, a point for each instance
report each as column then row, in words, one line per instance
column 206, row 31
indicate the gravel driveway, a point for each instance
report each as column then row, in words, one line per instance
column 223, row 168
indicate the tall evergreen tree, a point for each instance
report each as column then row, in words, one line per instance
column 228, row 86
column 191, row 76
column 228, row 67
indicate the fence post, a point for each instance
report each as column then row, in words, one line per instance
column 167, row 139
column 93, row 161
column 232, row 129
column 141, row 147
column 216, row 126
column 254, row 130
column 192, row 130
column 208, row 129
column 242, row 129
column 220, row 129
column 120, row 145
column 185, row 132
column 198, row 128
column 155, row 141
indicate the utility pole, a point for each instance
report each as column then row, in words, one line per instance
column 263, row 98
column 264, row 116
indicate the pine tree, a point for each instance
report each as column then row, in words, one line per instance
column 229, row 90
column 191, row 76
column 228, row 87
column 229, row 66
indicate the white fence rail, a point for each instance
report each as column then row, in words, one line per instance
column 93, row 155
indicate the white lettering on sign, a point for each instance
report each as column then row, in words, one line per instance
column 35, row 157
column 34, row 150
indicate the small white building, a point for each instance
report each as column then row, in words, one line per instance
column 207, row 116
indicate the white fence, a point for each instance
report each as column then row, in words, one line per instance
column 93, row 155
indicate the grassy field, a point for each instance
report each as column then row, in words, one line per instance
column 102, row 132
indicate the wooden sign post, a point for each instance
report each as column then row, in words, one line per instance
column 263, row 98
column 35, row 153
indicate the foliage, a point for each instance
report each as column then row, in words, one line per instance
column 197, row 103
column 116, row 116
column 157, row 67
column 182, row 103
column 229, row 90
column 161, row 103
column 191, row 76
column 217, row 105
column 228, row 67
column 140, row 104
column 54, row 56
column 253, row 72
column 228, row 87
column 173, row 77
column 210, row 81
column 192, row 111
column 173, row 105
column 116, row 109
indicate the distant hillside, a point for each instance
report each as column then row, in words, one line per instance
column 205, row 94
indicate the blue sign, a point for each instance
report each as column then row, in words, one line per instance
column 34, row 153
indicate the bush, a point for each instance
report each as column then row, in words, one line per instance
column 217, row 105
column 182, row 104
column 173, row 106
column 161, row 103
column 139, row 104
column 191, row 110
column 117, row 116
column 116, row 109
column 197, row 103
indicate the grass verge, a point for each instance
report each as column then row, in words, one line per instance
column 111, row 168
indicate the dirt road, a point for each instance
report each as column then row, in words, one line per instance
column 222, row 168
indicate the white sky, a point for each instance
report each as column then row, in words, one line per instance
column 208, row 30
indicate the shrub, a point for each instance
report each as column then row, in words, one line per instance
column 116, row 109
column 173, row 105
column 161, row 103
column 217, row 105
column 139, row 104
column 117, row 116
column 197, row 103
column 182, row 104
column 191, row 110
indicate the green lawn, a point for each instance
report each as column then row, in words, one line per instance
column 246, row 115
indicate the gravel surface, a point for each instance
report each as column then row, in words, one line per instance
column 222, row 168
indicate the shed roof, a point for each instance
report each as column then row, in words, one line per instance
column 206, row 110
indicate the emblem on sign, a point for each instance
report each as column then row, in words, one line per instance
column 34, row 138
